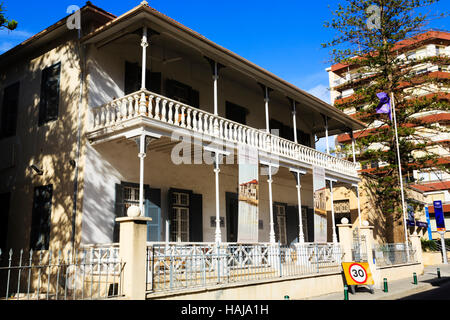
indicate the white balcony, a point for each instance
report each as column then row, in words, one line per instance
column 148, row 109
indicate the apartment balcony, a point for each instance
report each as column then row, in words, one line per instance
column 164, row 116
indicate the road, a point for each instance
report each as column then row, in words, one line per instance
column 440, row 292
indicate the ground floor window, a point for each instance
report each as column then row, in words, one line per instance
column 280, row 214
column 41, row 218
column 180, row 217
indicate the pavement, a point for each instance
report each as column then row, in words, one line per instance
column 397, row 289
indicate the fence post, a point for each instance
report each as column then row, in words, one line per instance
column 367, row 232
column 133, row 251
column 345, row 239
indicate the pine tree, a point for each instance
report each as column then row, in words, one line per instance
column 4, row 22
column 371, row 36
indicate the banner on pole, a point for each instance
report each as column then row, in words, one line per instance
column 248, row 195
column 439, row 215
column 320, row 205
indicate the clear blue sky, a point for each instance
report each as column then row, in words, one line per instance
column 283, row 36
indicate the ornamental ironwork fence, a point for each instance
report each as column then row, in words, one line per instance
column 90, row 273
column 175, row 266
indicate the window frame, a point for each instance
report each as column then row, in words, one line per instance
column 46, row 74
column 6, row 122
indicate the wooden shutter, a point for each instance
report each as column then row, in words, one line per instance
column 196, row 218
column 310, row 223
column 119, row 211
column 132, row 78
column 9, row 110
column 292, row 224
column 275, row 223
column 153, row 210
column 41, row 218
column 232, row 212
column 49, row 104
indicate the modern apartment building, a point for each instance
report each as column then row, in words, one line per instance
column 430, row 181
column 92, row 120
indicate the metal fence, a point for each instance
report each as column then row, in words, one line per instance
column 175, row 266
column 393, row 253
column 89, row 273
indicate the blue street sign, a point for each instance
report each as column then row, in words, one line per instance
column 439, row 215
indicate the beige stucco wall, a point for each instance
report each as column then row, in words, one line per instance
column 50, row 146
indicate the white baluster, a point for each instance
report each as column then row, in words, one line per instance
column 188, row 118
column 211, row 126
column 221, row 135
column 194, row 120
column 177, row 117
column 183, row 120
column 200, row 121
column 163, row 111
column 136, row 105
column 142, row 105
column 130, row 107
column 205, row 123
column 157, row 108
column 150, row 106
column 170, row 115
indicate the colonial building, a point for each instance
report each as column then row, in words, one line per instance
column 433, row 183
column 139, row 110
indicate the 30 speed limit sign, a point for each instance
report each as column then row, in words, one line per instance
column 357, row 273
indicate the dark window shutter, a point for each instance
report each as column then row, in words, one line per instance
column 195, row 99
column 153, row 81
column 9, row 110
column 292, row 224
column 310, row 223
column 232, row 216
column 49, row 104
column 132, row 77
column 153, row 210
column 275, row 224
column 119, row 211
column 41, row 218
column 196, row 218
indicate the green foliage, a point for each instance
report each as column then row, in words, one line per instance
column 429, row 245
column 4, row 22
column 374, row 52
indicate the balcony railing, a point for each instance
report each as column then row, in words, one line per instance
column 167, row 111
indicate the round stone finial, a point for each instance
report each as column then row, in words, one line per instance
column 133, row 212
column 344, row 221
column 365, row 223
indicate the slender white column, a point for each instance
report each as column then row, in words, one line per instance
column 359, row 204
column 266, row 100
column 332, row 213
column 144, row 45
column 215, row 78
column 301, row 236
column 142, row 156
column 353, row 147
column 218, row 234
column 272, row 225
column 294, row 121
column 326, row 135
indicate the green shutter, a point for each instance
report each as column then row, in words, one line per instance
column 153, row 210
column 292, row 224
column 196, row 218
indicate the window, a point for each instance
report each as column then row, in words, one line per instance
column 130, row 197
column 280, row 213
column 9, row 110
column 183, row 93
column 236, row 113
column 180, row 217
column 48, row 108
column 40, row 224
column 133, row 79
